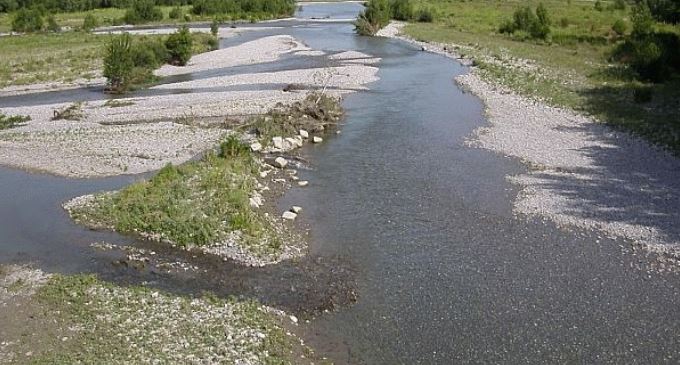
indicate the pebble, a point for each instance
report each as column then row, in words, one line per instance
column 289, row 216
column 303, row 183
column 316, row 139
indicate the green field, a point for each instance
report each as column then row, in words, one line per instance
column 571, row 69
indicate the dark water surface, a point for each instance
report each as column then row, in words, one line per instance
column 445, row 273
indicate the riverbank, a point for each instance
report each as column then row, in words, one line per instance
column 581, row 172
column 66, row 319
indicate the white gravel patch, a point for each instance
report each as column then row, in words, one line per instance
column 582, row 173
column 261, row 50
column 19, row 281
column 100, row 150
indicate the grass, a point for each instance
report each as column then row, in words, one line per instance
column 11, row 121
column 194, row 204
column 571, row 70
column 115, row 325
column 71, row 112
column 64, row 57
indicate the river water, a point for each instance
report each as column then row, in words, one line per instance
column 445, row 272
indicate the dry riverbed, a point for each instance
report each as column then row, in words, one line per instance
column 581, row 172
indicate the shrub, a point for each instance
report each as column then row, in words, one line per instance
column 375, row 16
column 11, row 121
column 401, row 9
column 89, row 23
column 620, row 27
column 8, row 5
column 118, row 63
column 598, row 5
column 233, row 147
column 175, row 13
column 537, row 24
column 27, row 21
column 239, row 7
column 665, row 10
column 214, row 27
column 143, row 11
column 52, row 25
column 642, row 94
column 179, row 46
column 564, row 22
column 619, row 5
column 425, row 15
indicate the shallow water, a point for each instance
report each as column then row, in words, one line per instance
column 445, row 273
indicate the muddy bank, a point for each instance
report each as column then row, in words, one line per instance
column 581, row 172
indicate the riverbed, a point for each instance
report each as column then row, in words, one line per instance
column 445, row 272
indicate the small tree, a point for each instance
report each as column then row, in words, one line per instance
column 143, row 11
column 118, row 63
column 401, row 9
column 175, row 13
column 52, row 25
column 214, row 27
column 89, row 23
column 619, row 27
column 375, row 16
column 179, row 46
column 27, row 21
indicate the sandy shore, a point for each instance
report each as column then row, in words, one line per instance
column 144, row 133
column 581, row 172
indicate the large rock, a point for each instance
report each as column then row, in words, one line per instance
column 255, row 147
column 304, row 133
column 303, row 183
column 280, row 162
column 290, row 216
column 278, row 142
column 317, row 139
column 295, row 209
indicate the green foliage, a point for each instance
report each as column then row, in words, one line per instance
column 241, row 8
column 665, row 10
column 653, row 55
column 27, row 21
column 233, row 147
column 620, row 27
column 8, row 5
column 149, row 52
column 179, row 46
column 89, row 23
column 425, row 15
column 118, row 63
column 214, row 27
column 143, row 11
column 12, row 121
column 536, row 25
column 619, row 5
column 52, row 25
column 401, row 9
column 176, row 13
column 598, row 5
column 375, row 16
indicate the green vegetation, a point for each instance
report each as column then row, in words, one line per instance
column 242, row 9
column 198, row 203
column 143, row 11
column 525, row 21
column 179, row 47
column 130, row 325
column 89, row 23
column 576, row 66
column 52, row 25
column 12, row 121
column 71, row 112
column 27, row 21
column 118, row 63
column 375, row 16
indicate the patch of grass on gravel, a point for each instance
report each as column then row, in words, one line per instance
column 135, row 325
column 571, row 70
column 11, row 121
column 198, row 203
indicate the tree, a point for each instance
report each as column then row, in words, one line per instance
column 179, row 46
column 27, row 20
column 118, row 62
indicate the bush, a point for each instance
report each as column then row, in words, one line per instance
column 214, row 27
column 401, row 9
column 7, row 121
column 143, row 11
column 598, row 5
column 118, row 63
column 175, row 13
column 564, row 22
column 665, row 10
column 89, row 23
column 27, row 21
column 619, row 5
column 8, row 5
column 425, row 15
column 375, row 16
column 233, row 147
column 52, row 25
column 239, row 8
column 620, row 27
column 537, row 24
column 179, row 46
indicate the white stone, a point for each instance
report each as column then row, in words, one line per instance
column 292, row 143
column 263, row 174
column 280, row 162
column 317, row 139
column 296, row 209
column 304, row 133
column 303, row 183
column 289, row 216
column 256, row 147
column 278, row 142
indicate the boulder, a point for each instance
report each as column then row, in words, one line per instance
column 295, row 209
column 290, row 216
column 278, row 142
column 317, row 139
column 280, row 162
column 304, row 133
column 303, row 183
